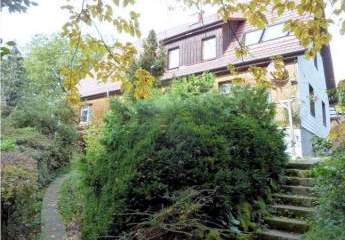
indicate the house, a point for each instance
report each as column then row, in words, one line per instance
column 95, row 99
column 209, row 46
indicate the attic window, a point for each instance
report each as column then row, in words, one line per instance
column 209, row 48
column 274, row 31
column 253, row 37
column 173, row 58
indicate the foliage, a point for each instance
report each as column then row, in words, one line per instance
column 114, row 58
column 17, row 5
column 141, row 86
column 13, row 77
column 192, row 85
column 340, row 95
column 330, row 220
column 144, row 72
column 153, row 57
column 7, row 144
column 337, row 135
column 322, row 146
column 38, row 134
column 20, row 198
column 46, row 60
column 280, row 75
column 175, row 167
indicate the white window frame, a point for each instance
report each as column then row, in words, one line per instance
column 209, row 48
column 176, row 61
column 88, row 114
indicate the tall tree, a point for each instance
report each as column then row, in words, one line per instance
column 152, row 58
column 43, row 103
column 144, row 72
column 46, row 57
column 13, row 78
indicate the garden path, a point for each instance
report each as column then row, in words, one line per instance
column 53, row 227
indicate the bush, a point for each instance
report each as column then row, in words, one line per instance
column 20, row 198
column 31, row 156
column 7, row 144
column 194, row 167
column 330, row 220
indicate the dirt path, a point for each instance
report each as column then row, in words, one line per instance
column 52, row 223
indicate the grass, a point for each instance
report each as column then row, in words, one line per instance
column 71, row 198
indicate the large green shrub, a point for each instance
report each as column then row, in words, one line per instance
column 330, row 220
column 194, row 167
column 20, row 198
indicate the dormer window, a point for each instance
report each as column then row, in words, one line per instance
column 209, row 48
column 274, row 31
column 263, row 35
column 173, row 58
column 253, row 37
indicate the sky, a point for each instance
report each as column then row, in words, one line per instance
column 48, row 18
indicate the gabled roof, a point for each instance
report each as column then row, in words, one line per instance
column 184, row 29
column 92, row 87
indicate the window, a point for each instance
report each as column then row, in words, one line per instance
column 311, row 100
column 324, row 117
column 85, row 114
column 271, row 32
column 209, row 48
column 173, row 58
column 316, row 63
column 225, row 87
column 269, row 97
column 253, row 37
column 274, row 31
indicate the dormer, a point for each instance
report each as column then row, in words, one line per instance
column 199, row 42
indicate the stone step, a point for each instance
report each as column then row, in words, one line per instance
column 292, row 211
column 287, row 224
column 307, row 191
column 293, row 172
column 271, row 234
column 307, row 182
column 296, row 200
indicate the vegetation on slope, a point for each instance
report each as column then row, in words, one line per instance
column 329, row 222
column 38, row 133
column 183, row 166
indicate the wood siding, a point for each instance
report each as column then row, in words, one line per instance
column 191, row 47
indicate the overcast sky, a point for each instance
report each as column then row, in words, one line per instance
column 47, row 18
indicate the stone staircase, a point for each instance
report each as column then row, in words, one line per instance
column 292, row 206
